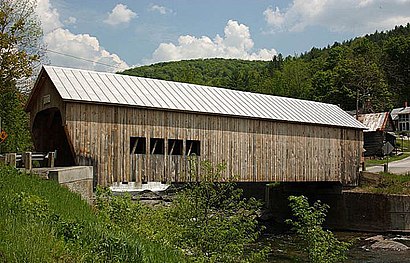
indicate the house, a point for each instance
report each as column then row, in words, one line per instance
column 401, row 118
column 133, row 129
column 380, row 130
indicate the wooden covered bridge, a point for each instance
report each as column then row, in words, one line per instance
column 133, row 129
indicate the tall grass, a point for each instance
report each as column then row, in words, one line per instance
column 40, row 221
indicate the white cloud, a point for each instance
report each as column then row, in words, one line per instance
column 83, row 46
column 236, row 43
column 61, row 41
column 160, row 9
column 119, row 15
column 49, row 16
column 274, row 17
column 70, row 21
column 358, row 16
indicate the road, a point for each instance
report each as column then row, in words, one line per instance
column 397, row 167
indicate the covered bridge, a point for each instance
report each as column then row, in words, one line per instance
column 133, row 129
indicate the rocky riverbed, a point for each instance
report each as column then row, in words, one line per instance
column 366, row 248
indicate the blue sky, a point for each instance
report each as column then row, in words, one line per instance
column 123, row 34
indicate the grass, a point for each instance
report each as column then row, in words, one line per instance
column 404, row 143
column 40, row 221
column 371, row 162
column 391, row 184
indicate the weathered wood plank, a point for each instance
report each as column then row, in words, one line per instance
column 255, row 150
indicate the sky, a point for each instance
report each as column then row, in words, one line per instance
column 111, row 35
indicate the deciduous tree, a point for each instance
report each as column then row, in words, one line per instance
column 20, row 50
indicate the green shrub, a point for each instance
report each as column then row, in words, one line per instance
column 208, row 221
column 213, row 222
column 320, row 244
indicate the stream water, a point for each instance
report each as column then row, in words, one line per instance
column 286, row 249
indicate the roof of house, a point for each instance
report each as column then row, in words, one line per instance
column 108, row 88
column 404, row 111
column 395, row 112
column 375, row 121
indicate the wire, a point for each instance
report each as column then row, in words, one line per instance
column 79, row 58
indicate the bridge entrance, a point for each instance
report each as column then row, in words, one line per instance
column 49, row 135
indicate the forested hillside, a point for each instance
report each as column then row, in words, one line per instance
column 374, row 68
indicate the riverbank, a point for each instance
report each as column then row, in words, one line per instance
column 286, row 248
column 40, row 221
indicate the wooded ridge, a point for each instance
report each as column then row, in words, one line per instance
column 374, row 68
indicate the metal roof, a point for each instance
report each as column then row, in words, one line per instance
column 99, row 87
column 375, row 121
column 397, row 111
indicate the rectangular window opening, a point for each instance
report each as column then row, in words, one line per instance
column 175, row 147
column 193, row 147
column 138, row 145
column 157, row 146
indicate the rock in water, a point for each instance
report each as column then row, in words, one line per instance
column 389, row 245
column 375, row 238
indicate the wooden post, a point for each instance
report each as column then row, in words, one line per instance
column 11, row 159
column 27, row 160
column 51, row 157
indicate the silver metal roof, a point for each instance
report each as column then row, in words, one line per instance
column 397, row 111
column 99, row 87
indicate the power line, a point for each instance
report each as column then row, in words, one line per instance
column 79, row 58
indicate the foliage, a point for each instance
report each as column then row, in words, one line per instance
column 41, row 221
column 20, row 40
column 208, row 221
column 320, row 244
column 371, row 70
column 20, row 45
column 15, row 123
column 214, row 222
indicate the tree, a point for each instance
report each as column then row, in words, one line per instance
column 214, row 222
column 397, row 66
column 321, row 245
column 20, row 50
column 209, row 221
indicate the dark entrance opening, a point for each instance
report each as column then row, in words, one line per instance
column 49, row 135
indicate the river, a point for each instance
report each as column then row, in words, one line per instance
column 286, row 249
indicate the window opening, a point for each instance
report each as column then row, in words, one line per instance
column 138, row 145
column 193, row 147
column 157, row 146
column 175, row 147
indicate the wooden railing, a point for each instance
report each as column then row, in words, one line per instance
column 25, row 160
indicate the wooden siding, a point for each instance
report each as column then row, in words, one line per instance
column 37, row 105
column 253, row 150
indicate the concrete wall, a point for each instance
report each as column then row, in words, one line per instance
column 369, row 212
column 78, row 179
column 349, row 210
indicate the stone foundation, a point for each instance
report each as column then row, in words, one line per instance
column 78, row 179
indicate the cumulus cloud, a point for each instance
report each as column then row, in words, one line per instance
column 119, row 15
column 82, row 46
column 70, row 21
column 49, row 16
column 236, row 43
column 160, row 9
column 64, row 45
column 359, row 16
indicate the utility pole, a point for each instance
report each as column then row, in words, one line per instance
column 1, row 122
column 357, row 104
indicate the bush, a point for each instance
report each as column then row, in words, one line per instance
column 208, row 221
column 321, row 245
column 213, row 222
